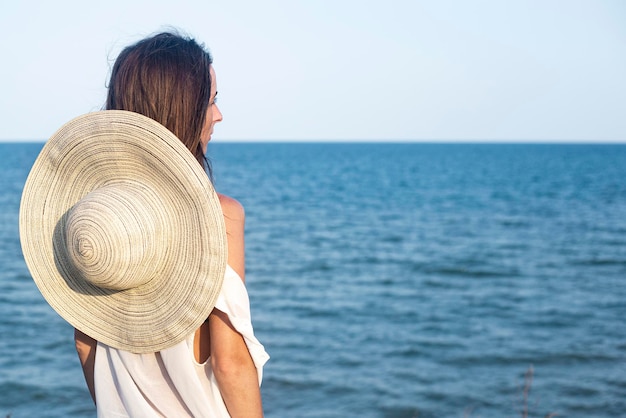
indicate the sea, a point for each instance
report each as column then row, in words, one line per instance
column 393, row 280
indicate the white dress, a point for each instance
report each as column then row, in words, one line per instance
column 171, row 383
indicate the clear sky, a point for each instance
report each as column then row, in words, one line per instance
column 437, row 70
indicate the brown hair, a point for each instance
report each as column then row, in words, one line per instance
column 167, row 78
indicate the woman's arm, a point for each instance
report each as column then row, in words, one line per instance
column 231, row 361
column 86, row 349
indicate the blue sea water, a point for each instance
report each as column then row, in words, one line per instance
column 390, row 280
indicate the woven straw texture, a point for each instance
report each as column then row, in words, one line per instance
column 123, row 232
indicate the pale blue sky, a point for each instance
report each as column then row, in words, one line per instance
column 438, row 70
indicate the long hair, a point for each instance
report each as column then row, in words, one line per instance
column 165, row 77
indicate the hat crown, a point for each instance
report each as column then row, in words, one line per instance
column 112, row 240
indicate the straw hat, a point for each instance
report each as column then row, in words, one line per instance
column 123, row 232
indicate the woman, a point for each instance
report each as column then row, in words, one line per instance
column 170, row 79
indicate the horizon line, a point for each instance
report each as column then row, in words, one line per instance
column 389, row 140
column 384, row 141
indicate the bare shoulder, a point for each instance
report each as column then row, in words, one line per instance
column 233, row 210
column 234, row 219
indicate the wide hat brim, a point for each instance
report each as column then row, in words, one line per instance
column 120, row 147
